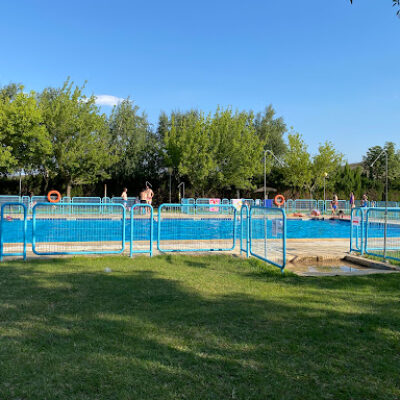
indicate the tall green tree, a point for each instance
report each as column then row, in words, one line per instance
column 238, row 153
column 82, row 151
column 197, row 162
column 297, row 171
column 128, row 131
column 25, row 141
column 374, row 166
column 327, row 161
column 349, row 180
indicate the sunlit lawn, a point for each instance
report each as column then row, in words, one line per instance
column 194, row 328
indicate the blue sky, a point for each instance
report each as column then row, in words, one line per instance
column 330, row 69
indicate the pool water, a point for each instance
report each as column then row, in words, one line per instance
column 82, row 230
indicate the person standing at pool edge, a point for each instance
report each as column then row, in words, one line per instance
column 124, row 196
column 352, row 200
column 149, row 194
column 334, row 204
column 364, row 201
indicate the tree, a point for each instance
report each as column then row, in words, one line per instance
column 197, row 161
column 377, row 171
column 82, row 151
column 349, row 180
column 128, row 136
column 297, row 171
column 238, row 153
column 327, row 161
column 395, row 3
column 25, row 141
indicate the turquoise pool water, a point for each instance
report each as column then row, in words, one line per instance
column 81, row 230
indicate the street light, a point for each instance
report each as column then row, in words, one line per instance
column 265, row 168
column 170, row 177
column 325, row 176
column 183, row 191
column 386, row 198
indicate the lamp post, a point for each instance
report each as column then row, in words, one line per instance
column 170, row 178
column 183, row 191
column 325, row 176
column 265, row 168
column 386, row 198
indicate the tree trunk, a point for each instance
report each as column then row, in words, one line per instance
column 69, row 186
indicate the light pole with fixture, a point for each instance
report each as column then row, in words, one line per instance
column 325, row 176
column 386, row 198
column 265, row 169
column 183, row 191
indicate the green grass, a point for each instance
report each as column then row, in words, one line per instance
column 194, row 328
column 390, row 261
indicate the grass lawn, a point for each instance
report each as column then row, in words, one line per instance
column 181, row 327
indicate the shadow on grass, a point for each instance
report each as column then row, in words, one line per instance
column 134, row 335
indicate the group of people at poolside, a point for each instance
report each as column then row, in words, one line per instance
column 145, row 196
column 335, row 202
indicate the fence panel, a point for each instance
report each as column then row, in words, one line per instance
column 289, row 206
column 357, row 230
column 268, row 235
column 129, row 203
column 382, row 232
column 343, row 205
column 141, row 229
column 89, row 229
column 391, row 204
column 198, row 230
column 244, row 230
column 13, row 230
column 305, row 205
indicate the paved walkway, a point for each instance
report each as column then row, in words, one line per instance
column 316, row 249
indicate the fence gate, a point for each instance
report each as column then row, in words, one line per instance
column 193, row 227
column 141, row 229
column 268, row 235
column 382, row 232
column 244, row 230
column 13, row 230
column 357, row 230
column 59, row 228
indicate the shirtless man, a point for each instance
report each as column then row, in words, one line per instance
column 149, row 194
column 143, row 196
column 124, row 196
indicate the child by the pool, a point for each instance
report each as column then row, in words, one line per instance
column 334, row 204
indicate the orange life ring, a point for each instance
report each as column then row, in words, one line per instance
column 50, row 199
column 281, row 202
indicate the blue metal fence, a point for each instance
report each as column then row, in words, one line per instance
column 204, row 228
column 357, row 230
column 141, row 229
column 13, row 230
column 268, row 235
column 244, row 231
column 100, row 231
column 376, row 231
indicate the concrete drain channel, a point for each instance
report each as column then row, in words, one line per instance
column 347, row 266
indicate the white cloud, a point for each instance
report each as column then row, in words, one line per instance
column 107, row 100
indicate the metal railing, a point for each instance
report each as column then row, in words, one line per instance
column 267, row 235
column 376, row 231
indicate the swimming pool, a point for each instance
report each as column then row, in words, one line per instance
column 60, row 230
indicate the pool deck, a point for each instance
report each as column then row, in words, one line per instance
column 316, row 249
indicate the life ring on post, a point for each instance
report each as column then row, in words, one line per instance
column 279, row 200
column 51, row 193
